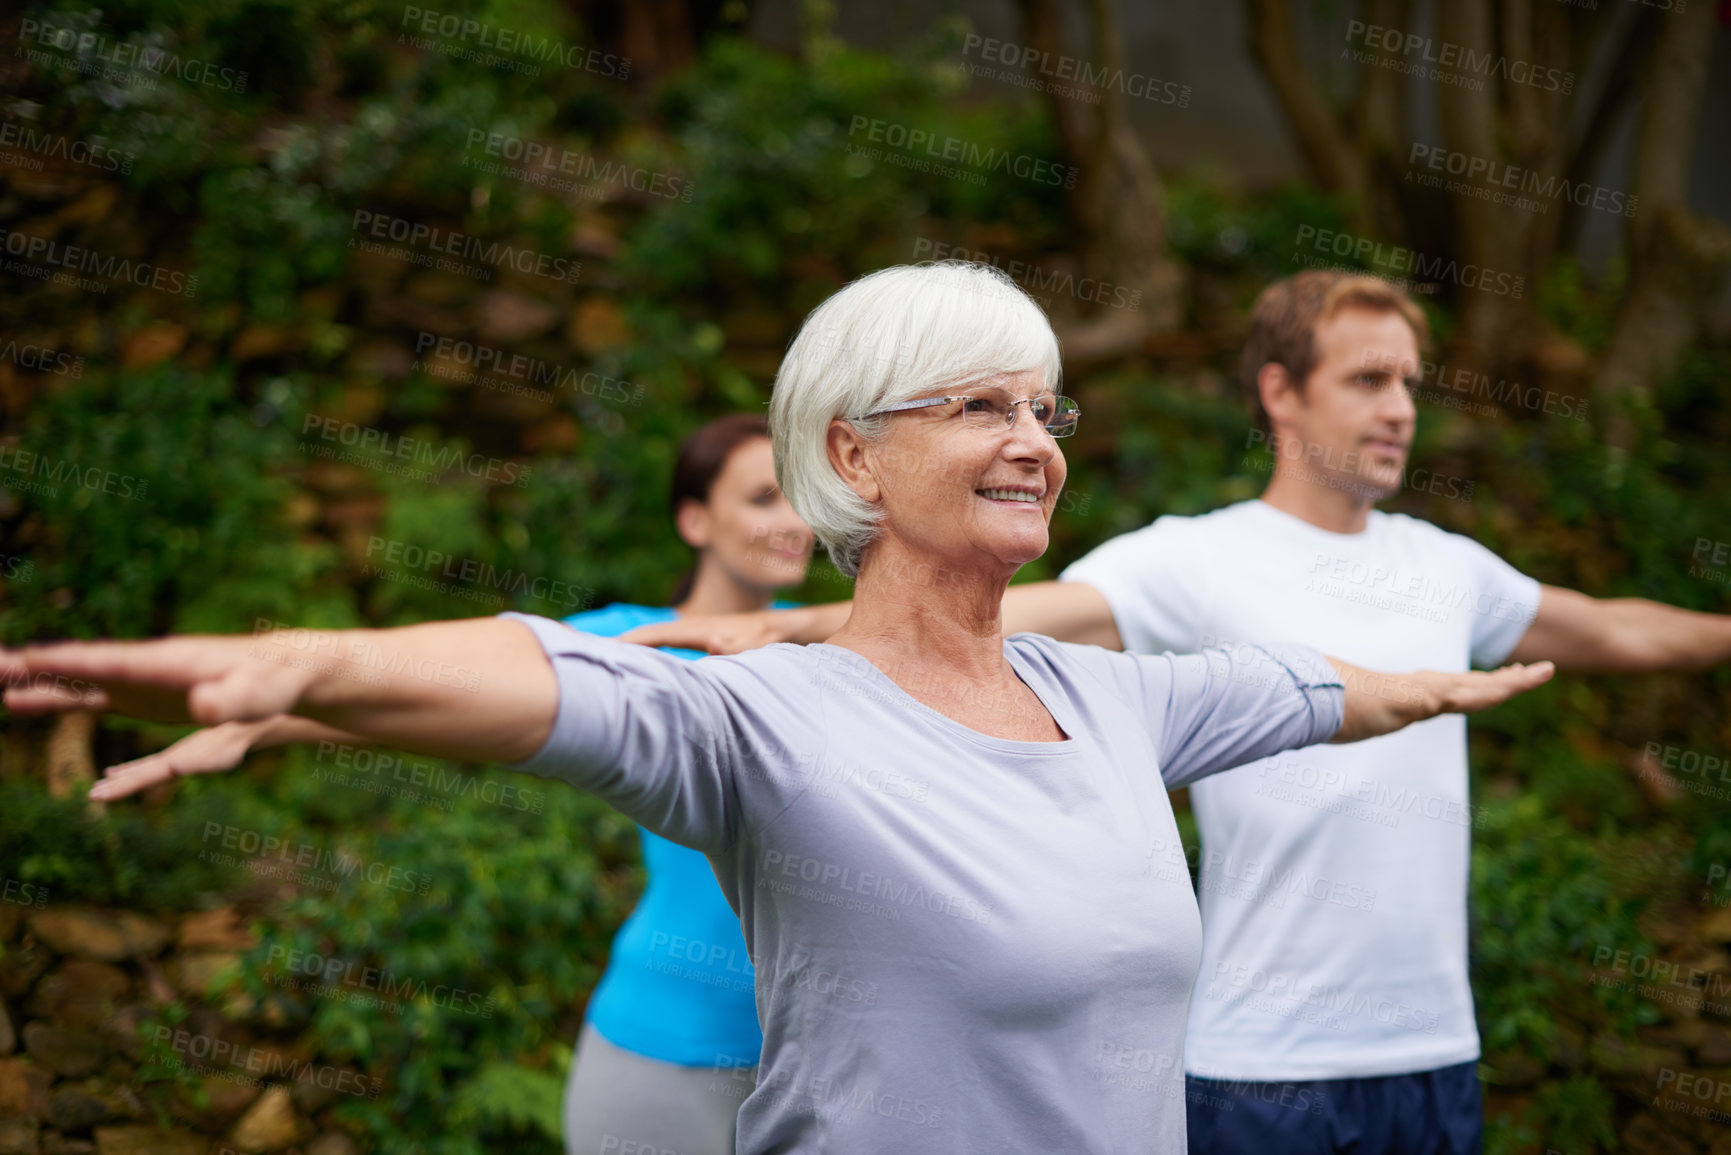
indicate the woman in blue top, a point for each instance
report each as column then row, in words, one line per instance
column 670, row 1042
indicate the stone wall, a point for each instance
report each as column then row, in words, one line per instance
column 80, row 988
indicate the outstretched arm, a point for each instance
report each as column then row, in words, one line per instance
column 1622, row 635
column 1225, row 707
column 1067, row 611
column 1378, row 703
column 649, row 734
column 211, row 751
column 480, row 690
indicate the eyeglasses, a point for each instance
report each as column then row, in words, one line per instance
column 994, row 409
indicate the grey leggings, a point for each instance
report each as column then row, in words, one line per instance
column 618, row 1102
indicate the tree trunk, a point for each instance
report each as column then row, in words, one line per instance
column 1678, row 259
column 1117, row 203
column 71, row 764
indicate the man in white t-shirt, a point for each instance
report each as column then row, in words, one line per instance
column 1332, row 1011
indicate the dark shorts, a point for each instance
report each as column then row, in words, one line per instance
column 1438, row 1112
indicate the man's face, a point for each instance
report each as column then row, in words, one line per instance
column 1353, row 421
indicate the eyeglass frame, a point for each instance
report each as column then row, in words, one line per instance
column 929, row 402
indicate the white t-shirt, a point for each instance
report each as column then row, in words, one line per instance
column 1333, row 878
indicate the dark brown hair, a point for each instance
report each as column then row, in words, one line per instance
column 702, row 457
column 1286, row 315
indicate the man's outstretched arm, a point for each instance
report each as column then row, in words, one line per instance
column 1621, row 635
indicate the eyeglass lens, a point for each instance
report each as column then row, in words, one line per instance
column 994, row 409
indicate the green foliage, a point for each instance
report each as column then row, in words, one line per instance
column 58, row 846
column 161, row 503
column 514, row 1096
column 486, row 941
column 1543, row 897
column 238, row 519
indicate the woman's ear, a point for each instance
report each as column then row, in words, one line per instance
column 851, row 462
column 693, row 523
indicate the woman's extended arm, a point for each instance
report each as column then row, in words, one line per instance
column 480, row 690
column 211, row 751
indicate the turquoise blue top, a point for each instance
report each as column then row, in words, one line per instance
column 679, row 986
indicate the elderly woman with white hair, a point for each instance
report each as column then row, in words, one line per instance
column 947, row 849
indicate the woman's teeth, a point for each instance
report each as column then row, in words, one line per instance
column 1008, row 495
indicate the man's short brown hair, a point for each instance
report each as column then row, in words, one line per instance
column 1286, row 315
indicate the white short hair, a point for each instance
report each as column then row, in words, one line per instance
column 887, row 337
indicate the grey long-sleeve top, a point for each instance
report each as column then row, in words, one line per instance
column 962, row 943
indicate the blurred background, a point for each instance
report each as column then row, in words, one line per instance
column 350, row 312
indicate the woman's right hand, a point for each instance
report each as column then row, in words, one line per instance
column 208, row 751
column 736, row 633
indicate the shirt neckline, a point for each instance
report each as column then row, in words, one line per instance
column 1065, row 720
column 1303, row 526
